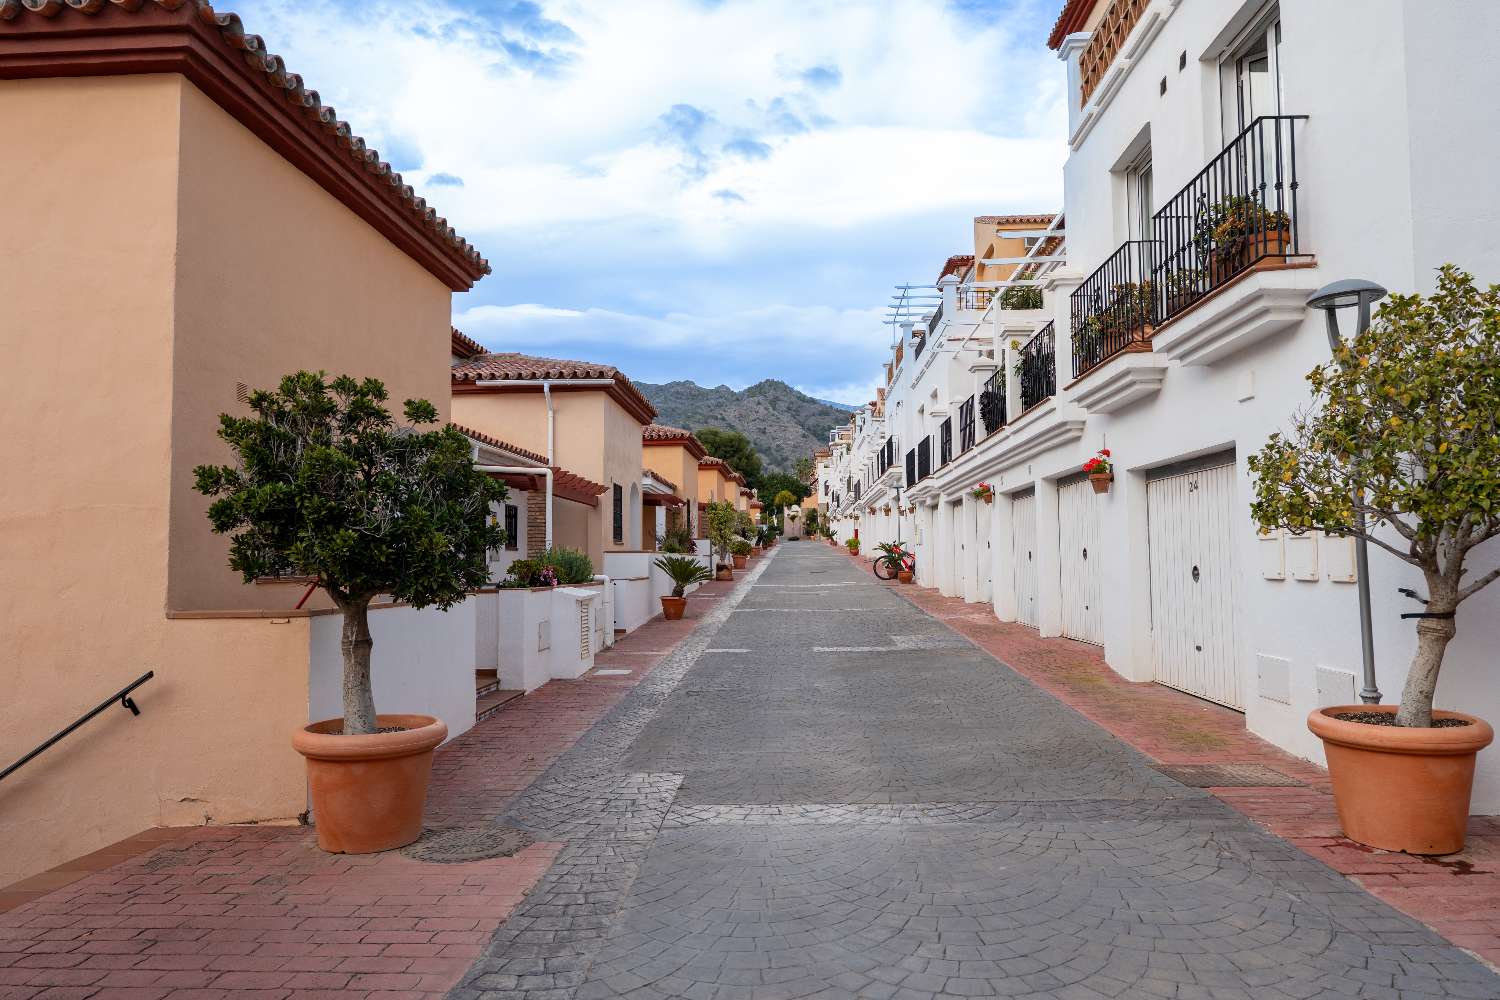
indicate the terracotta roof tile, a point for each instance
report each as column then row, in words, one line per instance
column 663, row 480
column 563, row 482
column 494, row 442
column 956, row 264
column 305, row 104
column 501, row 366
column 465, row 347
column 1012, row 220
column 1071, row 18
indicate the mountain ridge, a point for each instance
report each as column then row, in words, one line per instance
column 782, row 423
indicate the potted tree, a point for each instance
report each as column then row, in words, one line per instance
column 683, row 571
column 326, row 485
column 1400, row 449
column 853, row 546
column 722, row 521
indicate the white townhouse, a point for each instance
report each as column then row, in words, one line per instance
column 1227, row 158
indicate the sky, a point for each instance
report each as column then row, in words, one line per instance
column 716, row 190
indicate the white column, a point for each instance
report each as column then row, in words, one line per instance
column 1130, row 653
column 1069, row 51
column 1062, row 288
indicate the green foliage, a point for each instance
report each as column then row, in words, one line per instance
column 786, row 498
column 1226, row 225
column 327, row 485
column 571, row 566
column 804, row 470
column 1021, row 297
column 734, row 448
column 529, row 573
column 722, row 520
column 853, row 545
column 676, row 539
column 746, row 524
column 739, row 547
column 1403, row 433
column 683, row 572
column 892, row 555
column 775, row 483
column 812, row 521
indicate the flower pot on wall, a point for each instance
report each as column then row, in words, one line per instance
column 673, row 607
column 1101, row 481
column 368, row 791
column 1398, row 788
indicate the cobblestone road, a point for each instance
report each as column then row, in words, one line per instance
column 827, row 793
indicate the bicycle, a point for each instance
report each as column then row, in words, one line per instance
column 893, row 559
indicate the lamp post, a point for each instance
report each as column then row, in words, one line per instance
column 1358, row 294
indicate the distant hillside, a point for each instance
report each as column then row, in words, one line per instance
column 782, row 423
column 846, row 407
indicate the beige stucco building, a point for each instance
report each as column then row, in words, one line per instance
column 184, row 223
column 584, row 417
column 673, row 454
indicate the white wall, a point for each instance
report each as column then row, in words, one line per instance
column 422, row 663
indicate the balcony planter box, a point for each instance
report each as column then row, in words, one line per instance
column 1101, row 481
column 1397, row 788
column 368, row 791
column 1225, row 262
column 673, row 607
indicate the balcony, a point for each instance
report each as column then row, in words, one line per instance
column 1038, row 368
column 977, row 299
column 992, row 403
column 966, row 425
column 1105, row 43
column 1115, row 308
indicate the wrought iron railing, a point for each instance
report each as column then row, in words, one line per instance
column 1239, row 210
column 918, row 341
column 970, row 297
column 121, row 697
column 992, row 403
column 1038, row 368
column 945, row 442
column 966, row 425
column 936, row 321
column 924, row 458
column 1115, row 307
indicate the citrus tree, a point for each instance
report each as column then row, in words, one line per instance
column 723, row 521
column 1403, row 431
column 327, row 485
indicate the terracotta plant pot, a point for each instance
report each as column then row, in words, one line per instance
column 1101, row 481
column 739, row 562
column 724, row 573
column 756, row 550
column 368, row 791
column 1401, row 789
column 673, row 607
column 904, row 575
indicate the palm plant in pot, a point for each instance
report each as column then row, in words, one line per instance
column 327, row 485
column 683, row 571
column 1401, row 449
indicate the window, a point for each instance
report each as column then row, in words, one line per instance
column 1138, row 196
column 512, row 527
column 619, row 503
column 1250, row 75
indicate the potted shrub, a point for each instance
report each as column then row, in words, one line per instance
column 1402, row 438
column 683, row 571
column 739, row 549
column 677, row 540
column 984, row 491
column 326, row 485
column 570, row 567
column 722, row 521
column 893, row 560
column 1100, row 470
column 1237, row 230
column 853, row 546
column 1021, row 297
column 528, row 573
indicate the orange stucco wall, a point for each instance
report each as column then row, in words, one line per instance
column 679, row 466
column 92, row 298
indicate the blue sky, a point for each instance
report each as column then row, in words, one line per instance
column 718, row 190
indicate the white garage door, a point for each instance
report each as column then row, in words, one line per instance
column 1023, row 557
column 1078, row 559
column 1192, row 583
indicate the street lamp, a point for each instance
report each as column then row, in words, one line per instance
column 1359, row 294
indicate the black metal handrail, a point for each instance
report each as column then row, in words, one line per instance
column 966, row 425
column 1239, row 210
column 992, row 402
column 945, row 442
column 1038, row 368
column 917, row 342
column 1115, row 307
column 121, row 696
column 970, row 297
column 924, row 458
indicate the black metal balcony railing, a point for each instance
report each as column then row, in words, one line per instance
column 918, row 341
column 1115, row 307
column 945, row 442
column 1239, row 210
column 936, row 321
column 911, row 468
column 966, row 425
column 970, row 297
column 924, row 458
column 1038, row 368
column 992, row 403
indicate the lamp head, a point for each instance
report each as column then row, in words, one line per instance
column 1345, row 294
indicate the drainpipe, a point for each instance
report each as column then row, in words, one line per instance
column 524, row 470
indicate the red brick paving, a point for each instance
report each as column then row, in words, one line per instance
column 229, row 912
column 1458, row 896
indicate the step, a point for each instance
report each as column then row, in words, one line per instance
column 486, row 682
column 493, row 702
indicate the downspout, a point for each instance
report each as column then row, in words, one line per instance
column 523, row 470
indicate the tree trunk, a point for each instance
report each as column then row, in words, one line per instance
column 359, row 699
column 1433, row 636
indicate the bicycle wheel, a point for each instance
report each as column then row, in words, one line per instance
column 884, row 570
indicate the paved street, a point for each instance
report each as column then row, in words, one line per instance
column 823, row 791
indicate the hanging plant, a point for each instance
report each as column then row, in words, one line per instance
column 1100, row 470
column 984, row 491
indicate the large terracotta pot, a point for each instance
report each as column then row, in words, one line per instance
column 724, row 573
column 673, row 607
column 904, row 575
column 1401, row 789
column 739, row 562
column 368, row 791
